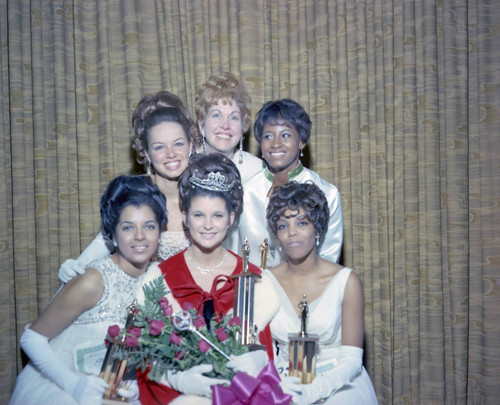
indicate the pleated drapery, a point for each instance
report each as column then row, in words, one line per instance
column 405, row 103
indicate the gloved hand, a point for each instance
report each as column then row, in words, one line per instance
column 71, row 268
column 250, row 363
column 89, row 390
column 324, row 385
column 130, row 391
column 192, row 381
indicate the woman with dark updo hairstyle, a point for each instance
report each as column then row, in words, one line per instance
column 298, row 215
column 66, row 342
column 210, row 197
column 164, row 138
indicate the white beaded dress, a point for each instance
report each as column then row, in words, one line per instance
column 325, row 320
column 80, row 346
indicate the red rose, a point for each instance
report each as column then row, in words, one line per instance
column 235, row 321
column 131, row 341
column 199, row 322
column 179, row 355
column 203, row 346
column 135, row 331
column 113, row 331
column 165, row 306
column 221, row 334
column 155, row 327
column 175, row 339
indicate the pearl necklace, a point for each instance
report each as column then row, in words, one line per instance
column 201, row 269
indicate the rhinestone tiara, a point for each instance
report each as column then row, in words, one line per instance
column 215, row 181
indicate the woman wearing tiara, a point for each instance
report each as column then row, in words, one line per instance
column 211, row 196
column 297, row 214
column 164, row 138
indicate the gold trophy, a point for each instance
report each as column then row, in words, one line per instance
column 244, row 292
column 113, row 370
column 303, row 349
column 264, row 249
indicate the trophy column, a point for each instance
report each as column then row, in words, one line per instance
column 244, row 301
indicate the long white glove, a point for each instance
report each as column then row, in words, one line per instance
column 192, row 381
column 324, row 385
column 96, row 250
column 250, row 363
column 87, row 390
column 130, row 392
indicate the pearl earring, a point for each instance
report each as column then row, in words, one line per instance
column 317, row 240
column 301, row 153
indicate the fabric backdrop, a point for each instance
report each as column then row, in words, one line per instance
column 405, row 103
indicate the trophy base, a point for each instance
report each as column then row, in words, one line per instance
column 114, row 401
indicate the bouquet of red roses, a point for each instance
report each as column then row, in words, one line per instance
column 151, row 338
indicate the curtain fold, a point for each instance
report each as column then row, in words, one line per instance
column 404, row 99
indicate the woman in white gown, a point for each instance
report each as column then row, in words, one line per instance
column 164, row 137
column 66, row 342
column 298, row 214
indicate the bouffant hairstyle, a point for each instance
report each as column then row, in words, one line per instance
column 123, row 191
column 146, row 106
column 203, row 167
column 283, row 112
column 294, row 196
column 228, row 89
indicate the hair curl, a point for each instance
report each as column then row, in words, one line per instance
column 294, row 196
column 147, row 105
column 201, row 166
column 283, row 112
column 123, row 191
column 228, row 89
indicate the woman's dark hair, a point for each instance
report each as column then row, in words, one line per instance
column 203, row 177
column 294, row 196
column 161, row 115
column 123, row 191
column 283, row 112
column 146, row 106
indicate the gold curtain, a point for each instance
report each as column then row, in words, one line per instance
column 405, row 103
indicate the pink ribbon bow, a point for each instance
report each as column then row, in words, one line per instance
column 244, row 389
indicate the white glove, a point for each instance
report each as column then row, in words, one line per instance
column 250, row 363
column 85, row 389
column 89, row 390
column 96, row 250
column 130, row 392
column 324, row 385
column 192, row 381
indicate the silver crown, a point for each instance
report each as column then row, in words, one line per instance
column 214, row 182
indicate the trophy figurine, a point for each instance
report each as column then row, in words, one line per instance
column 113, row 370
column 264, row 249
column 303, row 349
column 244, row 301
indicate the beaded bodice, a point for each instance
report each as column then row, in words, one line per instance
column 172, row 243
column 120, row 291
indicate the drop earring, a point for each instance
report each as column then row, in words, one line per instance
column 317, row 240
column 301, row 153
column 148, row 169
column 204, row 144
column 240, row 161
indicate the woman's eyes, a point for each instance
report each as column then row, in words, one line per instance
column 151, row 227
column 280, row 227
column 158, row 147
